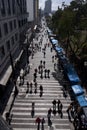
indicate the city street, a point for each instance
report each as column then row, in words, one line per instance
column 22, row 116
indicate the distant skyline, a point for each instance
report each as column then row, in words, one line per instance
column 55, row 3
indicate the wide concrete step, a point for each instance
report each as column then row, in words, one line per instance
column 53, row 128
column 34, row 125
column 44, row 104
column 31, row 120
column 28, row 115
column 41, row 110
column 38, row 99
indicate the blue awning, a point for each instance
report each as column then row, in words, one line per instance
column 77, row 89
column 73, row 78
column 59, row 49
column 71, row 73
column 54, row 41
column 63, row 58
column 82, row 101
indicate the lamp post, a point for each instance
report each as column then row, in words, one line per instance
column 11, row 60
column 27, row 50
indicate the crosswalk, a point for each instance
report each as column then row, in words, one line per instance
column 52, row 89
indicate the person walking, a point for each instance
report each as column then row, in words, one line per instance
column 60, row 110
column 41, row 90
column 16, row 91
column 44, row 54
column 27, row 91
column 49, row 120
column 48, row 71
column 54, row 106
column 35, row 76
column 31, row 85
column 35, row 84
column 51, row 49
column 69, row 111
column 52, row 58
column 42, row 122
column 45, row 73
column 54, row 66
column 39, row 67
column 33, row 111
column 58, row 103
column 44, row 64
column 35, row 71
column 38, row 121
column 41, row 74
column 49, row 112
column 41, row 62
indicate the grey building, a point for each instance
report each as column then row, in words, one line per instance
column 13, row 25
column 33, row 8
column 48, row 7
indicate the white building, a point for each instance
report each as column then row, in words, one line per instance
column 13, row 24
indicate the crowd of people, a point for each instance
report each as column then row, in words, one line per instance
column 32, row 86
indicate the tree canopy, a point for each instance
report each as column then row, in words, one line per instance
column 70, row 24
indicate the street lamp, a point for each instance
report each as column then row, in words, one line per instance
column 27, row 51
column 12, row 65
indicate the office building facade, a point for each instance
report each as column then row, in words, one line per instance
column 13, row 25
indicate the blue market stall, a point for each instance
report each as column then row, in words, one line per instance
column 73, row 78
column 59, row 49
column 54, row 41
column 77, row 90
column 71, row 74
column 82, row 113
column 82, row 100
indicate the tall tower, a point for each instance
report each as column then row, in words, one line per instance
column 48, row 6
column 36, row 10
column 32, row 8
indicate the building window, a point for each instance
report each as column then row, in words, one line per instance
column 9, row 7
column 2, row 7
column 15, row 24
column 12, row 40
column 16, row 36
column 2, row 52
column 8, row 45
column 13, row 6
column 0, row 33
column 5, row 28
column 10, row 26
column 19, row 23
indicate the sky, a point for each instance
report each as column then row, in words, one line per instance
column 55, row 3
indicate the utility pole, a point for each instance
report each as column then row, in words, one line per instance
column 12, row 65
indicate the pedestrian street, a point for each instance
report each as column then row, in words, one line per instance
column 36, row 117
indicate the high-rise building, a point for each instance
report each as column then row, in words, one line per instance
column 48, row 6
column 13, row 24
column 32, row 8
